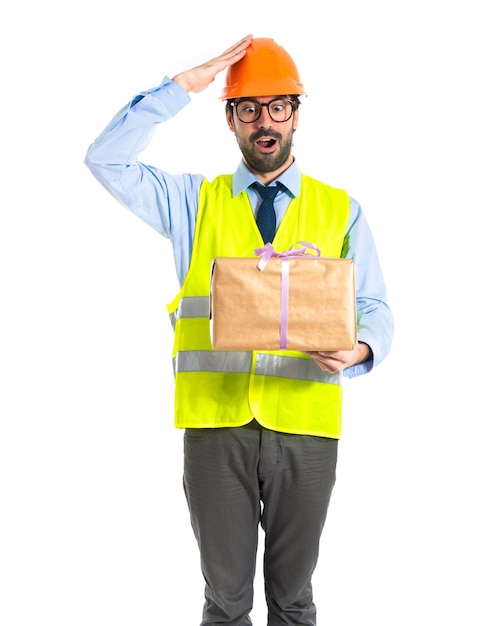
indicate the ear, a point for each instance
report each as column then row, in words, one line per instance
column 295, row 119
column 230, row 121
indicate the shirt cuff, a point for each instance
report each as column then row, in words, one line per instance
column 171, row 94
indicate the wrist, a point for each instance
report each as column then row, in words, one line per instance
column 182, row 80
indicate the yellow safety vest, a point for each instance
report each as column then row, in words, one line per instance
column 283, row 390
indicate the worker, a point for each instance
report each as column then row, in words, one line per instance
column 261, row 429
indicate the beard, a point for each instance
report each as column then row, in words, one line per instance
column 266, row 162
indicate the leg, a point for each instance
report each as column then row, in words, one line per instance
column 222, row 491
column 297, row 480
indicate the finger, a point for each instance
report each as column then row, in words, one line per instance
column 232, row 55
column 331, row 367
column 245, row 42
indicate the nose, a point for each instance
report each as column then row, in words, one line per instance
column 265, row 120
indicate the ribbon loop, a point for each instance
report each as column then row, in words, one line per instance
column 268, row 251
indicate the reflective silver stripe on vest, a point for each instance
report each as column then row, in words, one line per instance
column 173, row 318
column 194, row 306
column 293, row 367
column 241, row 363
column 213, row 361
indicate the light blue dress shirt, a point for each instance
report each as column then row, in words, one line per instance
column 169, row 204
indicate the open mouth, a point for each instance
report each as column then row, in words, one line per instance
column 266, row 144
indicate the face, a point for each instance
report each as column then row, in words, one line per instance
column 266, row 145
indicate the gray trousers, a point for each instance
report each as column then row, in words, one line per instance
column 236, row 478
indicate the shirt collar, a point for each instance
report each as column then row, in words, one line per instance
column 290, row 178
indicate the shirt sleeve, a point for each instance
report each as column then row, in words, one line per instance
column 168, row 203
column 374, row 317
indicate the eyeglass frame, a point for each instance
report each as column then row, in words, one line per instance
column 295, row 102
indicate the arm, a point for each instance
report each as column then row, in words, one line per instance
column 113, row 159
column 166, row 202
column 374, row 317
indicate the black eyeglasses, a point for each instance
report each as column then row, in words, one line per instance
column 249, row 110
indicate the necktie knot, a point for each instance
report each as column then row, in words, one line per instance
column 266, row 193
column 266, row 215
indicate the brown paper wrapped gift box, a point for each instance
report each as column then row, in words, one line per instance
column 246, row 304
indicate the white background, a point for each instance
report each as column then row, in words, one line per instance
column 403, row 113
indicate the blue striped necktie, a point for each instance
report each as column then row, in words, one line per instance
column 266, row 215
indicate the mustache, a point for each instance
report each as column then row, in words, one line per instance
column 264, row 133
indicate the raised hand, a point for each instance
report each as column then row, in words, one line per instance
column 199, row 78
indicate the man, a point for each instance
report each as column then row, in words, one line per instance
column 261, row 428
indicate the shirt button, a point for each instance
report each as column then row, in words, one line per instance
column 170, row 91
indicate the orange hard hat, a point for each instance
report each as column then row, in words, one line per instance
column 266, row 70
